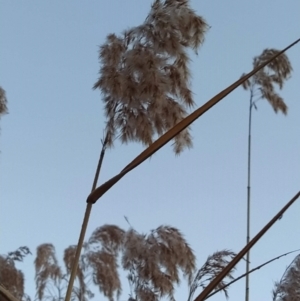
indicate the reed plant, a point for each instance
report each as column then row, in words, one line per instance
column 262, row 86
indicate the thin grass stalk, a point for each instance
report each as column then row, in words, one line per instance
column 249, row 272
column 204, row 294
column 169, row 135
column 248, row 197
column 84, row 225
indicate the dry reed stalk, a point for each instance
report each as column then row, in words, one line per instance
column 251, row 271
column 204, row 294
column 73, row 270
column 169, row 135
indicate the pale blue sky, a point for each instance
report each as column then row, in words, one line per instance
column 50, row 140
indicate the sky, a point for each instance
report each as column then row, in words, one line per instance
column 50, row 140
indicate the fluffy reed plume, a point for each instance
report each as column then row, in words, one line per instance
column 3, row 102
column 261, row 85
column 11, row 278
column 51, row 281
column 154, row 264
column 288, row 288
column 144, row 74
column 152, row 261
column 104, row 246
column 214, row 264
column 47, row 272
column 81, row 291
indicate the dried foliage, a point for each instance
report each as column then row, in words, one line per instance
column 81, row 291
column 104, row 246
column 47, row 271
column 19, row 254
column 288, row 288
column 11, row 278
column 214, row 264
column 3, row 102
column 144, row 74
column 261, row 85
column 152, row 261
column 51, row 282
column 154, row 264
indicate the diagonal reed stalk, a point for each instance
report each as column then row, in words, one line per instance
column 249, row 272
column 205, row 293
column 169, row 135
column 159, row 143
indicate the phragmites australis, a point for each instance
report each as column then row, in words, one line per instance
column 154, row 264
column 144, row 74
column 288, row 288
column 214, row 264
column 3, row 101
column 12, row 278
column 261, row 85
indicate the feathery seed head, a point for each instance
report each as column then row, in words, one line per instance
column 264, row 81
column 144, row 74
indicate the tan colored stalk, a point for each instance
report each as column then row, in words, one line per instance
column 84, row 225
column 204, row 294
column 7, row 294
column 169, row 135
column 249, row 272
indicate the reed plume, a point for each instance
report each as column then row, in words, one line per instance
column 262, row 84
column 152, row 261
column 3, row 102
column 154, row 264
column 52, row 279
column 12, row 278
column 214, row 264
column 144, row 75
column 288, row 288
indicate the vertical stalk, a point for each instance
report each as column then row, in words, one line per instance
column 248, row 197
column 84, row 225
